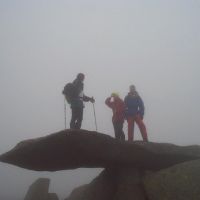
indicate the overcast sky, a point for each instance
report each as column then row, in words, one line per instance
column 44, row 44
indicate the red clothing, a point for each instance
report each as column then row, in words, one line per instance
column 140, row 123
column 118, row 108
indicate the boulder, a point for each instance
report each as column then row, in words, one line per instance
column 180, row 182
column 38, row 190
column 129, row 185
column 101, row 188
column 52, row 196
column 70, row 149
column 112, row 184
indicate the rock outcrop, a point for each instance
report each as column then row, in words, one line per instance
column 180, row 182
column 101, row 188
column 113, row 184
column 52, row 196
column 71, row 149
column 39, row 191
column 133, row 170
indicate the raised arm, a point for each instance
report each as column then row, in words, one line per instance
column 109, row 103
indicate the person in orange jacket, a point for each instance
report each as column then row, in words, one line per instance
column 134, row 111
column 117, row 105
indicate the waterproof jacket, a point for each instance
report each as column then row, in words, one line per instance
column 78, row 97
column 117, row 107
column 133, row 105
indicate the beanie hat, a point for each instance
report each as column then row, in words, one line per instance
column 115, row 94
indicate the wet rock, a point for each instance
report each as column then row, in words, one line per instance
column 70, row 149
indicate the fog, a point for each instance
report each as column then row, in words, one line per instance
column 44, row 44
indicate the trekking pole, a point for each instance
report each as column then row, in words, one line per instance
column 95, row 119
column 65, row 113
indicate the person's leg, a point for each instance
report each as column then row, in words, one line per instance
column 130, row 128
column 79, row 117
column 73, row 118
column 121, row 132
column 115, row 126
column 142, row 127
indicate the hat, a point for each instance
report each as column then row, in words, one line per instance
column 115, row 94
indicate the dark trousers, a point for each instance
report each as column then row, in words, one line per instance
column 77, row 117
column 118, row 128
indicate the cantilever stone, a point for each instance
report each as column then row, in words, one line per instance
column 70, row 149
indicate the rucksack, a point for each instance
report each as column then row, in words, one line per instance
column 68, row 91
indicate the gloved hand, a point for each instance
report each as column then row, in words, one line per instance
column 92, row 100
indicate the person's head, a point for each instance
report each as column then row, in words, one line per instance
column 80, row 77
column 132, row 88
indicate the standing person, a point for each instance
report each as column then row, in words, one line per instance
column 117, row 106
column 134, row 111
column 76, row 99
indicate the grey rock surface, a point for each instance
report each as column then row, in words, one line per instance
column 180, row 182
column 70, row 149
column 38, row 190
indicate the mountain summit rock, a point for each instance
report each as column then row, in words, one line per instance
column 70, row 149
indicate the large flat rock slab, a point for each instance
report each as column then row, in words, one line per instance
column 70, row 149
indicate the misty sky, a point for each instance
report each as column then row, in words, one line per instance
column 44, row 44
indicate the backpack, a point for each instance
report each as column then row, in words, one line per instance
column 68, row 92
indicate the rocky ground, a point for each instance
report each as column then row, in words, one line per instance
column 133, row 170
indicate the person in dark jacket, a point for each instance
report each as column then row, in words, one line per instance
column 77, row 104
column 134, row 111
column 117, row 106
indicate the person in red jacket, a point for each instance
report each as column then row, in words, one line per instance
column 118, row 108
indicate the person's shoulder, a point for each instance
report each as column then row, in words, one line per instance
column 77, row 82
column 74, row 81
column 126, row 97
column 139, row 99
